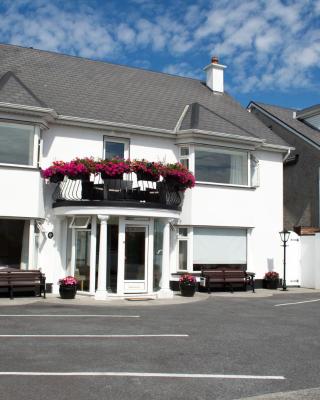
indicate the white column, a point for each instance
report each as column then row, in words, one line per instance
column 101, row 293
column 149, row 261
column 121, row 256
column 31, row 246
column 59, row 244
column 93, row 246
column 165, row 279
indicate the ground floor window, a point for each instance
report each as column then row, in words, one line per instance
column 14, row 243
column 214, row 247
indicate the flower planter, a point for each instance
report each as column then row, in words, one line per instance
column 56, row 178
column 83, row 177
column 87, row 190
column 187, row 290
column 145, row 176
column 272, row 284
column 68, row 291
column 105, row 176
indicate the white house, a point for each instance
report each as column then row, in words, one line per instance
column 57, row 107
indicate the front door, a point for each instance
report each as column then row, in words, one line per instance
column 135, row 271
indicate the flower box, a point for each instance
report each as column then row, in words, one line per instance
column 187, row 284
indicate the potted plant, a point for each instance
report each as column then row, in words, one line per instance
column 271, row 280
column 55, row 173
column 187, row 284
column 113, row 169
column 146, row 171
column 77, row 169
column 68, row 287
column 177, row 176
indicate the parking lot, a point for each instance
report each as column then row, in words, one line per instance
column 227, row 347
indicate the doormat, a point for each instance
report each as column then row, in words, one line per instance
column 139, row 298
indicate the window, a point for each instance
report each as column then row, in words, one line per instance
column 116, row 148
column 80, row 222
column 221, row 166
column 219, row 246
column 183, row 249
column 18, row 144
column 184, row 156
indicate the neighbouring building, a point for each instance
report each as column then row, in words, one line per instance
column 138, row 237
column 300, row 129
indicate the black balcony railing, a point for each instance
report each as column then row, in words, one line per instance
column 117, row 192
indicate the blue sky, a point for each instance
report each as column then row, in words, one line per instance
column 271, row 47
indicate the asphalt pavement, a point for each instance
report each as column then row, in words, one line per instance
column 216, row 347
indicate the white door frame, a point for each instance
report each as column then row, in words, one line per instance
column 148, row 281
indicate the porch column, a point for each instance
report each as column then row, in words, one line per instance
column 165, row 279
column 101, row 293
column 93, row 246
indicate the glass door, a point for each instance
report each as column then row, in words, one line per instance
column 135, row 271
column 82, row 259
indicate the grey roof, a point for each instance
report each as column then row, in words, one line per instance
column 84, row 88
column 309, row 110
column 286, row 115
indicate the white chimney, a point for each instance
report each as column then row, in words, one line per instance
column 215, row 75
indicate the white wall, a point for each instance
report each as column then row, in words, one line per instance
column 67, row 142
column 259, row 208
column 310, row 261
column 21, row 193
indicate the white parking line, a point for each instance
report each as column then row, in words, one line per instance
column 94, row 336
column 145, row 374
column 71, row 315
column 297, row 302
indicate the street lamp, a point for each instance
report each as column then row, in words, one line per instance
column 284, row 235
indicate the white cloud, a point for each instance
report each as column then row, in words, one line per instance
column 266, row 44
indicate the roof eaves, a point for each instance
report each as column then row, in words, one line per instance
column 280, row 122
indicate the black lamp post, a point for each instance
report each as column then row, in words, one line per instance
column 284, row 235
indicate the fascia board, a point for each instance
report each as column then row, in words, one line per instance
column 88, row 122
column 197, row 133
column 29, row 110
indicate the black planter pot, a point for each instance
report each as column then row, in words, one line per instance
column 68, row 291
column 87, row 190
column 105, row 176
column 173, row 185
column 80, row 177
column 56, row 178
column 145, row 176
column 271, row 284
column 187, row 290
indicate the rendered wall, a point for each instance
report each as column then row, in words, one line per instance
column 260, row 209
column 21, row 193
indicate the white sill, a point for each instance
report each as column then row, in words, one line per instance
column 4, row 165
column 227, row 185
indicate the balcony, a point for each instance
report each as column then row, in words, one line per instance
column 127, row 192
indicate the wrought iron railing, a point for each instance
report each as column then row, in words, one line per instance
column 118, row 192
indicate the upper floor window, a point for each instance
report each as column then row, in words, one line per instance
column 184, row 156
column 221, row 166
column 18, row 144
column 116, row 148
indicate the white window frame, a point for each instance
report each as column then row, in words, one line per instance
column 187, row 239
column 73, row 224
column 208, row 148
column 184, row 157
column 36, row 140
column 116, row 139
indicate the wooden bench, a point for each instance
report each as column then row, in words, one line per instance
column 228, row 277
column 12, row 278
